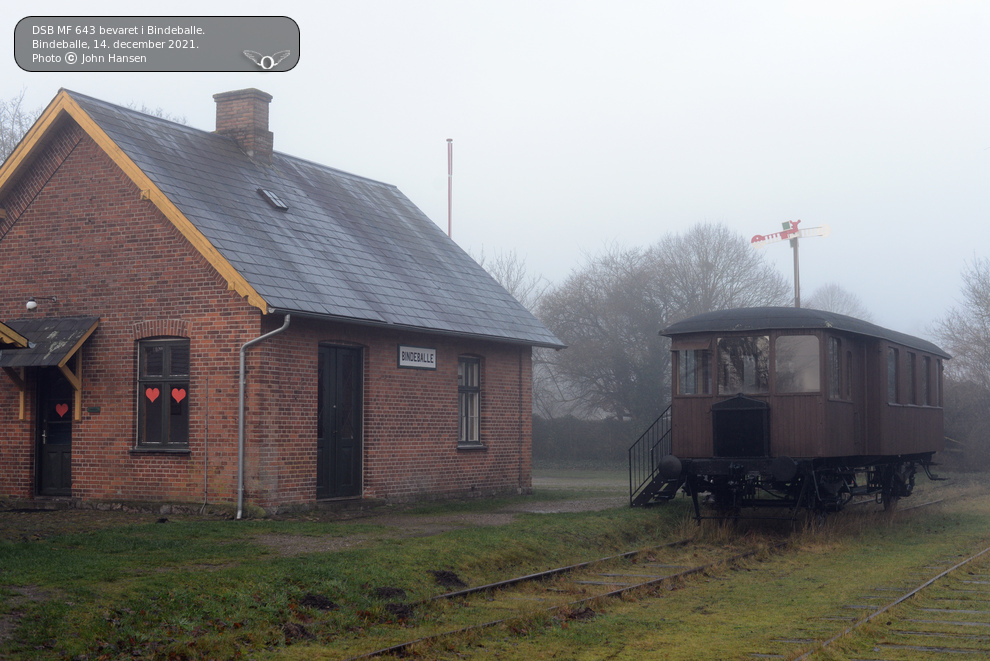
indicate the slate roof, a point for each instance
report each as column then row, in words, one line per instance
column 347, row 247
column 53, row 340
column 773, row 318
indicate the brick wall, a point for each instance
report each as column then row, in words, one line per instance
column 77, row 229
column 410, row 416
column 82, row 233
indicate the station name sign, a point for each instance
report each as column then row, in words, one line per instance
column 420, row 358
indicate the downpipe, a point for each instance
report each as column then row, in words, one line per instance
column 240, row 415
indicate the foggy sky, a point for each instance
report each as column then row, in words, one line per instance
column 581, row 124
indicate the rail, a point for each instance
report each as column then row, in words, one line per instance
column 639, row 576
column 645, row 455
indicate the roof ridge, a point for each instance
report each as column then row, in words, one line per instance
column 93, row 99
column 187, row 127
column 330, row 168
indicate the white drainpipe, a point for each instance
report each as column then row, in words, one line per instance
column 240, row 421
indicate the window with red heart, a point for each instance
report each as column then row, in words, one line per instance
column 163, row 393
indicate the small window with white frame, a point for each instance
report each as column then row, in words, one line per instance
column 468, row 400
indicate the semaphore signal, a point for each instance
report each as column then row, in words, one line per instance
column 791, row 233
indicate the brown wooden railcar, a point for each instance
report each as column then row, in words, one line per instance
column 793, row 407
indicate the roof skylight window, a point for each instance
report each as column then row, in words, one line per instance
column 273, row 199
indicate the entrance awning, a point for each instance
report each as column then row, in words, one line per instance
column 45, row 342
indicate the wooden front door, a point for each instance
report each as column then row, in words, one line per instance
column 338, row 442
column 54, row 433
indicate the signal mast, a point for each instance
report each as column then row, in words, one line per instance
column 791, row 233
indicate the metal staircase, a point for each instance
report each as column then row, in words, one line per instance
column 646, row 484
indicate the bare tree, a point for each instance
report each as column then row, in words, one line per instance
column 965, row 334
column 965, row 330
column 967, row 438
column 509, row 269
column 551, row 398
column 15, row 120
column 832, row 297
column 610, row 312
column 711, row 268
column 604, row 313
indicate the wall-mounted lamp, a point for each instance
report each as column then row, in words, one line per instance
column 32, row 304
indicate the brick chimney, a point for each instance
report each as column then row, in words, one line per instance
column 243, row 115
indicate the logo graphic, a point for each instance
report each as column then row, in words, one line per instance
column 266, row 62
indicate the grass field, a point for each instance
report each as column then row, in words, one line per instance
column 96, row 585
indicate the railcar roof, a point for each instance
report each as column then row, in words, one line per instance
column 764, row 319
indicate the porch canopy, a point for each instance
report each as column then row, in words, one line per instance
column 45, row 342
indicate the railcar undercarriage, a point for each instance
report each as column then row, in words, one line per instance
column 819, row 485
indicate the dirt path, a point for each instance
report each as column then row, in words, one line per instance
column 23, row 525
column 399, row 525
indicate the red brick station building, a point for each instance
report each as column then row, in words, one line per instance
column 189, row 316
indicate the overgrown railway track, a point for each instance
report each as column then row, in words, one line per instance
column 569, row 592
column 575, row 592
column 947, row 614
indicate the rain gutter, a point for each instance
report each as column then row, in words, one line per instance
column 371, row 323
column 240, row 412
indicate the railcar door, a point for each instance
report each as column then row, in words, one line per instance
column 54, row 433
column 338, row 443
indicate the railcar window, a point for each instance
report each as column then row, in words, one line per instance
column 892, row 390
column 694, row 372
column 938, row 383
column 743, row 365
column 797, row 364
column 834, row 367
column 912, row 392
column 926, row 380
column 849, row 375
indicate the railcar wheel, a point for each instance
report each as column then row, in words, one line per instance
column 723, row 500
column 898, row 481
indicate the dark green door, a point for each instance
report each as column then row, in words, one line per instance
column 54, row 433
column 338, row 442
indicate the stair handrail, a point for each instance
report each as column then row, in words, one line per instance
column 645, row 454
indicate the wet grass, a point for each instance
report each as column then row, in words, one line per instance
column 209, row 589
column 769, row 604
column 201, row 588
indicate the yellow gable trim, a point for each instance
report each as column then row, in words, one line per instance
column 63, row 103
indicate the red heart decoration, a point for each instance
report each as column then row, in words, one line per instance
column 61, row 409
column 178, row 394
column 152, row 393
